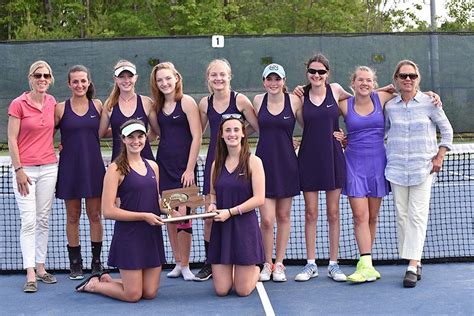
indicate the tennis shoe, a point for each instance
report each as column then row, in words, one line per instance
column 335, row 273
column 266, row 272
column 419, row 270
column 309, row 271
column 204, row 274
column 76, row 272
column 363, row 274
column 278, row 273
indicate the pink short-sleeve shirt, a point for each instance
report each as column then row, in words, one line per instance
column 35, row 138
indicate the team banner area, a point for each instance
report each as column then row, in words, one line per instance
column 449, row 235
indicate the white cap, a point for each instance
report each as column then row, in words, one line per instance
column 128, row 68
column 274, row 69
column 129, row 129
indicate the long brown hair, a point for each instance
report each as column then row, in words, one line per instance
column 121, row 160
column 157, row 96
column 113, row 98
column 222, row 152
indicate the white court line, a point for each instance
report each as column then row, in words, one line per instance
column 267, row 305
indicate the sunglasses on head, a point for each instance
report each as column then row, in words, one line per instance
column 236, row 116
column 318, row 71
column 405, row 76
column 40, row 75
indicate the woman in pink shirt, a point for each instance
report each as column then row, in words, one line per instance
column 30, row 142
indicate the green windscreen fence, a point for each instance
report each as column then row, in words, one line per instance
column 446, row 63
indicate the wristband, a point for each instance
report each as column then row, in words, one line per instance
column 18, row 169
column 239, row 210
column 230, row 213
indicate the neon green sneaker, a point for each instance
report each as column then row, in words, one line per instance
column 365, row 272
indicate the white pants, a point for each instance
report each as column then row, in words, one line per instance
column 412, row 204
column 34, row 212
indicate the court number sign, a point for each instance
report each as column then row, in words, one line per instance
column 217, row 41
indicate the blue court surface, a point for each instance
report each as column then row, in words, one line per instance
column 445, row 289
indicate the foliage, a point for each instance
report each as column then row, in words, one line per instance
column 68, row 19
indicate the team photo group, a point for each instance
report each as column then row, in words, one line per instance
column 389, row 144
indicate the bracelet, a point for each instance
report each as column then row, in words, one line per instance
column 239, row 210
column 230, row 213
column 18, row 169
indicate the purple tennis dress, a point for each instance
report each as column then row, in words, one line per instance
column 215, row 119
column 137, row 245
column 365, row 152
column 320, row 159
column 81, row 168
column 275, row 148
column 238, row 240
column 174, row 146
column 117, row 119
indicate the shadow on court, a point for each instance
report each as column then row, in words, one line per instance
column 446, row 289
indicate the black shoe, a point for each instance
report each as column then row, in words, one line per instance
column 204, row 274
column 419, row 270
column 76, row 271
column 410, row 279
column 96, row 268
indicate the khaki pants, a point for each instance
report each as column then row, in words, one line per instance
column 412, row 205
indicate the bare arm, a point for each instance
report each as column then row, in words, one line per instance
column 245, row 106
column 191, row 110
column 22, row 179
column 203, row 113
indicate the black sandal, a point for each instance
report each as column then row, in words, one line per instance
column 81, row 287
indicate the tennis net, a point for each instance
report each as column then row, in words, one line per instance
column 449, row 236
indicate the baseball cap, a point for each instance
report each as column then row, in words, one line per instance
column 274, row 69
column 128, row 68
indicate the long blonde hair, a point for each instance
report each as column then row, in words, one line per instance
column 214, row 62
column 157, row 96
column 113, row 98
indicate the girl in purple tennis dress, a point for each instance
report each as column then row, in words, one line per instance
column 124, row 104
column 238, row 187
column 222, row 101
column 180, row 141
column 365, row 164
column 321, row 162
column 137, row 244
column 276, row 119
column 81, row 168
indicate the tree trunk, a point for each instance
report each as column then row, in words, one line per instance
column 48, row 10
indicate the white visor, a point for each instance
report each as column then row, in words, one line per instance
column 121, row 69
column 129, row 129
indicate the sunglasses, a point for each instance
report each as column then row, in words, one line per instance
column 40, row 75
column 236, row 116
column 318, row 71
column 405, row 76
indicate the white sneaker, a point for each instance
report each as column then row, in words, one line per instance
column 335, row 273
column 187, row 274
column 176, row 272
column 278, row 274
column 266, row 272
column 309, row 271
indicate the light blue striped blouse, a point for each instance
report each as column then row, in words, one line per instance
column 411, row 138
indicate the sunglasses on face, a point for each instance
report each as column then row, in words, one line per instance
column 40, row 75
column 405, row 76
column 236, row 116
column 318, row 71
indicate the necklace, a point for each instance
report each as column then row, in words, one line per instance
column 127, row 100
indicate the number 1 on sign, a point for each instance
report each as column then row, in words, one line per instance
column 217, row 41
